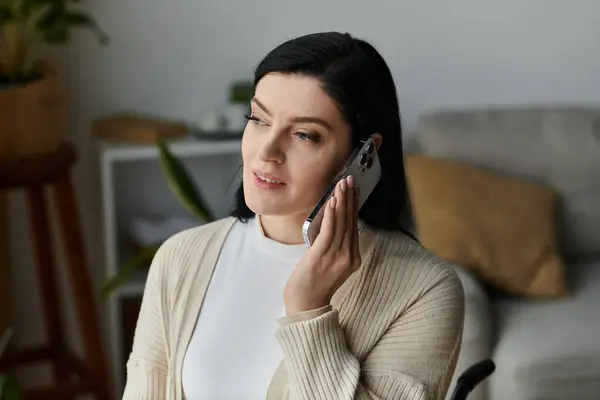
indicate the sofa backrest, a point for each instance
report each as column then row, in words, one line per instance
column 555, row 146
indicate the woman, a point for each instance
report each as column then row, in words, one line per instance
column 242, row 309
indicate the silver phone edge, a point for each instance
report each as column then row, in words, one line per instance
column 328, row 192
column 305, row 227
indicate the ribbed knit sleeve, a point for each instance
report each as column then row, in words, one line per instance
column 413, row 359
column 147, row 363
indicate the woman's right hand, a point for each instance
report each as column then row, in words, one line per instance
column 333, row 257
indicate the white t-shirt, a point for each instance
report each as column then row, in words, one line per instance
column 234, row 338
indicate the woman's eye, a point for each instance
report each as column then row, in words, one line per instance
column 255, row 120
column 304, row 136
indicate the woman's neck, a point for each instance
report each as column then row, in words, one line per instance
column 286, row 229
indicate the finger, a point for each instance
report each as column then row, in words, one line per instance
column 350, row 201
column 340, row 214
column 323, row 240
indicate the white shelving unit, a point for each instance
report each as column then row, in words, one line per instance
column 133, row 185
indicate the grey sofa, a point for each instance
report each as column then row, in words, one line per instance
column 543, row 349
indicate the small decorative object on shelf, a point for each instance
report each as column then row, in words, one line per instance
column 241, row 92
column 240, row 95
column 33, row 114
column 218, row 123
column 227, row 121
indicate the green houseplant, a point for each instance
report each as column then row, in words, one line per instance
column 9, row 388
column 32, row 104
column 188, row 195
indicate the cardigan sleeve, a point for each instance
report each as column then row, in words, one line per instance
column 147, row 363
column 414, row 359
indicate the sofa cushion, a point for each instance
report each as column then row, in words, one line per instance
column 555, row 146
column 550, row 349
column 502, row 229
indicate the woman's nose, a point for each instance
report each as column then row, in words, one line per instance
column 272, row 149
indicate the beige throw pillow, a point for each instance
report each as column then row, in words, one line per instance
column 502, row 229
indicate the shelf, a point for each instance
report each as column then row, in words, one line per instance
column 123, row 151
column 133, row 184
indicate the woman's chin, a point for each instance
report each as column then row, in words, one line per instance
column 265, row 202
column 265, row 207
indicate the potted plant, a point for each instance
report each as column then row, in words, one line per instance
column 182, row 186
column 33, row 113
column 9, row 388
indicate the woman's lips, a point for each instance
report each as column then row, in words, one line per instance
column 267, row 176
column 266, row 180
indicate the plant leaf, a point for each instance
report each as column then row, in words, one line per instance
column 35, row 13
column 84, row 20
column 58, row 35
column 6, row 14
column 12, row 50
column 8, row 3
column 53, row 17
column 9, row 388
column 181, row 184
column 5, row 339
column 127, row 269
column 79, row 19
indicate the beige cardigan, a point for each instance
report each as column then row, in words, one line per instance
column 393, row 330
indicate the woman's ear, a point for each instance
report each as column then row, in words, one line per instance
column 378, row 139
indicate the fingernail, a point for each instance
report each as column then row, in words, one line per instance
column 350, row 180
column 343, row 185
column 332, row 202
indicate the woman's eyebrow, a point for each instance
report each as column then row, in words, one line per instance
column 313, row 120
column 260, row 104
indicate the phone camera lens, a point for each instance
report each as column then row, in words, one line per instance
column 370, row 162
column 363, row 159
column 370, row 148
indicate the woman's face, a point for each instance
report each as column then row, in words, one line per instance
column 294, row 144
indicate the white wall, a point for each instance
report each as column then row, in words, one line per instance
column 179, row 56
column 175, row 58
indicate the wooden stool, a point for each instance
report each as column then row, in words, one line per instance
column 33, row 175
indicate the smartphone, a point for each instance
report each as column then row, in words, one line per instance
column 364, row 165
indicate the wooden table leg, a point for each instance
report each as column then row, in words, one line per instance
column 46, row 267
column 81, row 285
